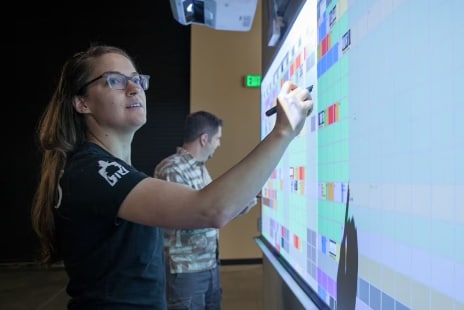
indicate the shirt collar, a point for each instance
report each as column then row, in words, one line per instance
column 189, row 157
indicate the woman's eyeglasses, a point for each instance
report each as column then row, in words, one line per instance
column 117, row 80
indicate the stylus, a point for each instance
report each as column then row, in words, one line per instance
column 273, row 110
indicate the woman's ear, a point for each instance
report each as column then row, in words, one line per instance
column 80, row 105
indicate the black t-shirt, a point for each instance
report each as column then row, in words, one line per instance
column 111, row 263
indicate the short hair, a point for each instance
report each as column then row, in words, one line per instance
column 201, row 122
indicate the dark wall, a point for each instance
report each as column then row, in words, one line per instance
column 161, row 48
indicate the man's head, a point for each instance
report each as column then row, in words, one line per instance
column 202, row 134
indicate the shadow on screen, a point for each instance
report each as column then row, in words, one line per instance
column 347, row 275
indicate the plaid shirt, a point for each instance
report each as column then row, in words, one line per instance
column 188, row 250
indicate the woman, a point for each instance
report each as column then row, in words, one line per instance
column 101, row 216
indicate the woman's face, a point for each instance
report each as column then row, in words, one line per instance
column 107, row 104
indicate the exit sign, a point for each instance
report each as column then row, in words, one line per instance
column 252, row 80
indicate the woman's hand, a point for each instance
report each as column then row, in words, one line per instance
column 294, row 104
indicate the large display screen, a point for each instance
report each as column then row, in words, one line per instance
column 365, row 206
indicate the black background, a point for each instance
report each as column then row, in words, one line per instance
column 46, row 35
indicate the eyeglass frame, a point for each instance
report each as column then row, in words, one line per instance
column 106, row 75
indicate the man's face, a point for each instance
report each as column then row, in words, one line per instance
column 213, row 143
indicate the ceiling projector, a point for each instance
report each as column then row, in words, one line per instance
column 231, row 15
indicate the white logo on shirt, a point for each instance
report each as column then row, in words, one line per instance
column 111, row 171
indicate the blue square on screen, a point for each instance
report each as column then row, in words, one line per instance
column 363, row 291
column 374, row 298
column 387, row 302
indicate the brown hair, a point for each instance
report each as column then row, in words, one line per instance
column 201, row 122
column 60, row 130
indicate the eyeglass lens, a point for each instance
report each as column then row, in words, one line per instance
column 119, row 81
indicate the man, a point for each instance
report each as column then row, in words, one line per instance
column 192, row 259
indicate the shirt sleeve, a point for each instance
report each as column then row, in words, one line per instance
column 97, row 184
